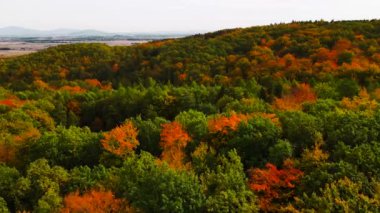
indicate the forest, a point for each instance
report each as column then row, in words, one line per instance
column 277, row 118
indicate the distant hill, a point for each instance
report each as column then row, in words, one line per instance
column 25, row 32
column 20, row 32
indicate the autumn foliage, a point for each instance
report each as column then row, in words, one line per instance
column 12, row 102
column 95, row 83
column 121, row 140
column 209, row 121
column 10, row 146
column 95, row 202
column 8, row 102
column 74, row 106
column 360, row 102
column 303, row 93
column 182, row 76
column 41, row 84
column 173, row 141
column 73, row 89
column 225, row 124
column 274, row 184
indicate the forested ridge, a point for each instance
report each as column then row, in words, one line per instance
column 279, row 118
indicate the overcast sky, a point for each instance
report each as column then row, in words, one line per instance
column 176, row 15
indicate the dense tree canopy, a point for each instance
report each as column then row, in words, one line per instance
column 279, row 118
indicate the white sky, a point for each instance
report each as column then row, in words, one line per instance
column 176, row 15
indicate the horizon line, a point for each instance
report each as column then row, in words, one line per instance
column 195, row 31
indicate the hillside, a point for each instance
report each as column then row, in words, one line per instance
column 297, row 51
column 279, row 118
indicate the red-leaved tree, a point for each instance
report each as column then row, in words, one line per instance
column 274, row 185
column 303, row 93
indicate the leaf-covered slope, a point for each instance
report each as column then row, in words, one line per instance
column 295, row 50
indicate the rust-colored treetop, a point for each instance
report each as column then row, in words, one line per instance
column 94, row 201
column 274, row 183
column 173, row 140
column 225, row 124
column 121, row 140
column 301, row 94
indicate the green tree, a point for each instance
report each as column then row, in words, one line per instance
column 342, row 195
column 152, row 187
column 149, row 134
column 328, row 172
column 8, row 180
column 40, row 189
column 252, row 140
column 351, row 128
column 347, row 88
column 3, row 206
column 280, row 152
column 69, row 147
column 84, row 178
column 320, row 108
column 326, row 90
column 194, row 122
column 300, row 129
column 365, row 156
column 345, row 57
column 226, row 187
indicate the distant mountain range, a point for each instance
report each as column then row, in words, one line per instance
column 20, row 32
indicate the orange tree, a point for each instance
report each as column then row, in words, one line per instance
column 94, row 201
column 173, row 140
column 121, row 140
